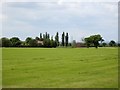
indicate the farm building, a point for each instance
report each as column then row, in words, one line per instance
column 40, row 42
column 79, row 44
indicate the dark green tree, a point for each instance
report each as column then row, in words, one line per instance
column 23, row 44
column 51, row 42
column 63, row 39
column 37, row 38
column 88, row 42
column 5, row 42
column 118, row 44
column 15, row 41
column 57, row 38
column 69, row 44
column 28, row 39
column 112, row 43
column 48, row 42
column 40, row 35
column 104, row 44
column 33, row 43
column 93, row 40
column 46, row 35
column 0, row 42
column 66, row 39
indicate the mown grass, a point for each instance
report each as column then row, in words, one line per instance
column 60, row 67
column 0, row 68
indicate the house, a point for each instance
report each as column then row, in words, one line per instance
column 40, row 42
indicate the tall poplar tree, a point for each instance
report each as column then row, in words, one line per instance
column 40, row 35
column 63, row 39
column 57, row 39
column 66, row 39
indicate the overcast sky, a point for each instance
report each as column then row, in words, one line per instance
column 79, row 19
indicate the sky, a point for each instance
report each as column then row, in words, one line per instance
column 79, row 19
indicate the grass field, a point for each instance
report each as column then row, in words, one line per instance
column 60, row 67
column 0, row 68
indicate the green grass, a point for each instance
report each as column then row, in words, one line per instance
column 60, row 67
column 0, row 68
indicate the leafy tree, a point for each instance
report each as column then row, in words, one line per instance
column 33, row 43
column 37, row 38
column 94, row 39
column 63, row 38
column 52, row 42
column 15, row 41
column 104, row 44
column 5, row 42
column 48, row 42
column 23, row 43
column 66, row 39
column 28, row 39
column 45, row 42
column 69, row 44
column 118, row 44
column 57, row 39
column 112, row 43
column 46, row 35
column 88, row 42
column 0, row 43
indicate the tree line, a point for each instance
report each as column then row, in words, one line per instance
column 97, row 41
column 44, row 40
